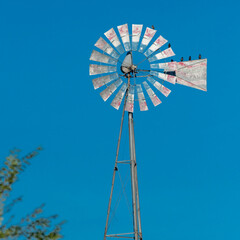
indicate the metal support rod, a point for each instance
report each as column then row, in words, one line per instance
column 138, row 205
column 133, row 173
column 136, row 184
column 118, row 234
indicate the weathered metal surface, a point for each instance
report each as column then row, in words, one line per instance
column 106, row 93
column 163, row 76
column 147, row 37
column 133, row 167
column 99, row 69
column 193, row 74
column 188, row 84
column 99, row 57
column 155, row 46
column 141, row 98
column 119, row 97
column 169, row 66
column 99, row 82
column 155, row 100
column 124, row 33
column 164, row 54
column 136, row 33
column 130, row 99
column 116, row 102
column 104, row 46
column 113, row 38
column 165, row 91
column 127, row 62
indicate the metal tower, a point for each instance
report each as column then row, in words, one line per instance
column 129, row 78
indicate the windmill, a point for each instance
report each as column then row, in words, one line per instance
column 129, row 78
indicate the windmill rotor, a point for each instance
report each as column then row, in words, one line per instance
column 190, row 73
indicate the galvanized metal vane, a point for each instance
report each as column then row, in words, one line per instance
column 187, row 73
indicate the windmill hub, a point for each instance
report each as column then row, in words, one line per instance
column 128, row 68
column 134, row 68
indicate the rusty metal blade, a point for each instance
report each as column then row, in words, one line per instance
column 165, row 91
column 99, row 82
column 116, row 102
column 106, row 93
column 168, row 66
column 193, row 74
column 124, row 33
column 163, row 76
column 164, row 54
column 113, row 38
column 155, row 100
column 130, row 99
column 104, row 46
column 99, row 69
column 99, row 57
column 155, row 46
column 147, row 37
column 136, row 33
column 141, row 98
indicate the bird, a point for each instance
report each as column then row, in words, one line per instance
column 200, row 56
column 181, row 59
column 153, row 27
column 169, row 45
column 190, row 58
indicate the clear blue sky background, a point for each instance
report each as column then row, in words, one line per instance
column 187, row 148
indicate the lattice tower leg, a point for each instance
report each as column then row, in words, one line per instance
column 135, row 194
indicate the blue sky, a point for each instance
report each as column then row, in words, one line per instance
column 187, row 148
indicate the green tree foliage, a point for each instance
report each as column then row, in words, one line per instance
column 32, row 226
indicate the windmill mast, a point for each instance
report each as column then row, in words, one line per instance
column 134, row 180
column 137, row 234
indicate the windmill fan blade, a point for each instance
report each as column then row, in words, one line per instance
column 148, row 35
column 99, row 57
column 103, row 45
column 155, row 100
column 169, row 66
column 141, row 98
column 99, row 82
column 165, row 91
column 164, row 54
column 105, row 94
column 130, row 99
column 163, row 76
column 155, row 46
column 119, row 97
column 136, row 33
column 124, row 33
column 113, row 38
column 193, row 74
column 99, row 69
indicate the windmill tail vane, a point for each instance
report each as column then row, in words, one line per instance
column 125, row 81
